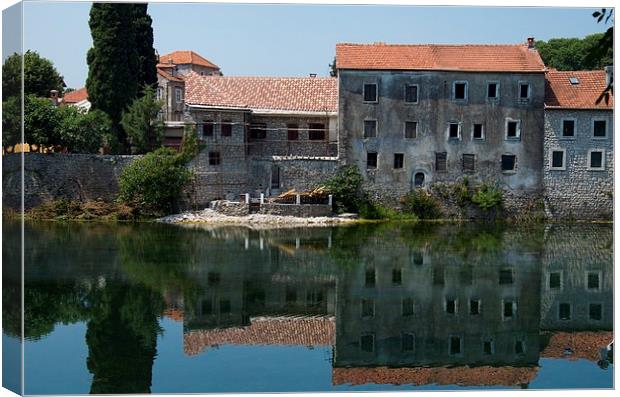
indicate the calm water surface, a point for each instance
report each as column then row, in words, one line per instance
column 168, row 309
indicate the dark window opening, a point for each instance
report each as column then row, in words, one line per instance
column 407, row 342
column 450, row 306
column 407, row 307
column 596, row 159
column 505, row 276
column 397, row 276
column 291, row 295
column 524, row 91
column 492, row 90
column 600, row 128
column 557, row 159
column 519, row 347
column 370, row 277
column 460, row 90
column 371, row 160
column 555, row 280
column 487, row 347
column 564, row 311
column 568, row 128
column 418, row 179
column 225, row 306
column 411, row 93
column 508, row 162
column 316, row 132
column 512, row 129
column 411, row 129
column 441, row 160
column 258, row 131
column 367, row 343
column 207, row 128
column 214, row 158
column 368, row 308
column 508, row 309
column 399, row 160
column 370, row 128
column 226, row 128
column 469, row 162
column 207, row 307
column 593, row 281
column 478, row 134
column 370, row 93
column 314, row 298
column 454, row 131
column 292, row 132
column 474, row 307
column 418, row 258
column 213, row 278
column 455, row 345
column 595, row 311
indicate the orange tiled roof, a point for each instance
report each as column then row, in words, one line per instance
column 187, row 57
column 174, row 314
column 583, row 345
column 167, row 75
column 302, row 331
column 75, row 96
column 469, row 58
column 314, row 94
column 465, row 376
column 560, row 93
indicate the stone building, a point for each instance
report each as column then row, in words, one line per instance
column 413, row 115
column 578, row 162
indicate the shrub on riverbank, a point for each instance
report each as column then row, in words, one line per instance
column 346, row 189
column 64, row 209
column 421, row 203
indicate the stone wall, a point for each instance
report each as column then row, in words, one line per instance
column 302, row 210
column 54, row 176
column 299, row 173
column 230, row 208
column 577, row 192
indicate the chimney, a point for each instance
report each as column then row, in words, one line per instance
column 531, row 42
column 312, row 74
column 54, row 97
column 609, row 75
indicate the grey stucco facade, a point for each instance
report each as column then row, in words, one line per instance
column 434, row 111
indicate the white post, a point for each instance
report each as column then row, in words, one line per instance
column 262, row 198
column 297, row 243
column 298, row 199
column 247, row 243
column 261, row 243
column 247, row 198
column 329, row 200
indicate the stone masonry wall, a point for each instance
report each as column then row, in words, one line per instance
column 578, row 192
column 302, row 210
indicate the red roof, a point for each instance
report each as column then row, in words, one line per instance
column 167, row 75
column 469, row 58
column 561, row 93
column 75, row 96
column 311, row 94
column 187, row 57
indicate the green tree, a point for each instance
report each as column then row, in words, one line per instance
column 574, row 53
column 40, row 76
column 346, row 188
column 11, row 121
column 82, row 132
column 41, row 121
column 147, row 59
column 333, row 71
column 140, row 121
column 112, row 62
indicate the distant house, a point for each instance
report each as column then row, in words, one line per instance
column 578, row 146
column 78, row 98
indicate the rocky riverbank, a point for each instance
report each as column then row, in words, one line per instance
column 210, row 216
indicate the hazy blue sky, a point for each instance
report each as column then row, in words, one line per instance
column 294, row 40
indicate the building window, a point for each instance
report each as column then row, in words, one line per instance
column 397, row 276
column 370, row 128
column 441, row 160
column 509, row 309
column 454, row 131
column 568, row 128
column 555, row 280
column 411, row 93
column 596, row 160
column 478, row 131
column 564, row 311
column 214, row 158
column 226, row 128
column 207, row 128
column 213, row 278
column 367, row 343
column 557, row 159
column 399, row 160
column 160, row 93
column 595, row 311
column 291, row 295
column 178, row 95
column 509, row 162
column 451, row 306
column 474, row 306
column 411, row 129
column 488, row 347
column 370, row 277
column 593, row 280
column 493, row 90
column 418, row 179
column 519, row 347
column 407, row 342
column 469, row 162
column 292, row 131
column 258, row 131
column 225, row 306
column 371, row 160
column 455, row 345
column 407, row 307
column 316, row 132
column 524, row 91
column 368, row 308
column 599, row 128
column 459, row 90
column 207, row 306
column 370, row 92
column 513, row 129
column 505, row 276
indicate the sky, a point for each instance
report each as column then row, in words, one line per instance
column 293, row 39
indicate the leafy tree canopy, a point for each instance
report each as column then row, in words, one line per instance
column 40, row 76
column 573, row 53
column 140, row 122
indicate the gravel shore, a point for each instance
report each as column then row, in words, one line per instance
column 213, row 217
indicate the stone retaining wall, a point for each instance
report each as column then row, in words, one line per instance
column 301, row 210
column 230, row 208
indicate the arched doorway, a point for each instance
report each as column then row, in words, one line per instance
column 418, row 179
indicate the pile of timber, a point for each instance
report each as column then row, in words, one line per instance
column 316, row 194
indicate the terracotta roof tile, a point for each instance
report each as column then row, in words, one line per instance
column 577, row 345
column 187, row 57
column 314, row 94
column 75, row 96
column 560, row 93
column 470, row 58
column 302, row 331
column 168, row 76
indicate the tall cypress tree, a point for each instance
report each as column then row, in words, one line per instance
column 147, row 59
column 113, row 61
